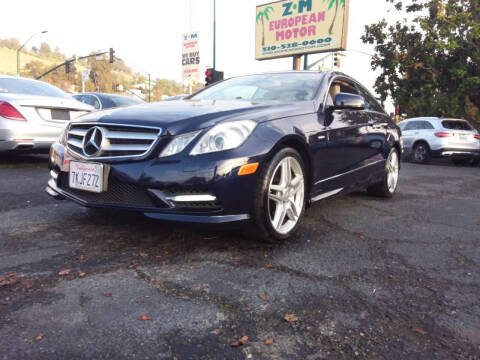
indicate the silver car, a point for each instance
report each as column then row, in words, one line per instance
column 33, row 113
column 431, row 137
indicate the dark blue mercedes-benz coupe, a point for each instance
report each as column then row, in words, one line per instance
column 254, row 149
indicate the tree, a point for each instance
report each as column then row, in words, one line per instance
column 431, row 64
column 45, row 49
column 260, row 16
column 336, row 2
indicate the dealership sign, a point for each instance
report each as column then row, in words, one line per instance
column 191, row 58
column 286, row 28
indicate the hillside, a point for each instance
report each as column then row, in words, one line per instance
column 103, row 76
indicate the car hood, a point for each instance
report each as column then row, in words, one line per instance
column 176, row 117
column 45, row 101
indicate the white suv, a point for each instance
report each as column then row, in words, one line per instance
column 428, row 137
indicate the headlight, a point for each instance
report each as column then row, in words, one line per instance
column 62, row 139
column 178, row 143
column 224, row 136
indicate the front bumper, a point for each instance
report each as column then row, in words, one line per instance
column 203, row 189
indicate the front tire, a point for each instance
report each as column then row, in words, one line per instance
column 279, row 200
column 388, row 186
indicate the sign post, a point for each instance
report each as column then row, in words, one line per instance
column 191, row 58
column 300, row 27
column 85, row 74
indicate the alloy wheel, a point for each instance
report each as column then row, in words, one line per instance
column 286, row 194
column 392, row 172
column 420, row 153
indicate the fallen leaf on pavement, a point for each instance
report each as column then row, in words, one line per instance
column 26, row 284
column 145, row 317
column 106, row 293
column 36, row 338
column 5, row 281
column 419, row 331
column 64, row 272
column 269, row 341
column 81, row 273
column 269, row 266
column 80, row 258
column 263, row 297
column 290, row 318
column 243, row 340
column 143, row 254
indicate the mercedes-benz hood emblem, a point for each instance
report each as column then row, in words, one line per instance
column 92, row 141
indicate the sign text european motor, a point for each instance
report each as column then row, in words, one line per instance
column 287, row 28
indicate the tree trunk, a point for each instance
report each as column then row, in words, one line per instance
column 334, row 18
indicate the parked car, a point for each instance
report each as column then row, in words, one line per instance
column 33, row 113
column 432, row 137
column 106, row 101
column 256, row 148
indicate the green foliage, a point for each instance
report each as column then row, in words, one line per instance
column 431, row 64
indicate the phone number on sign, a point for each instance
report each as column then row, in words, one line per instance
column 305, row 44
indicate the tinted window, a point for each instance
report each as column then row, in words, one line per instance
column 426, row 125
column 370, row 102
column 30, row 87
column 402, row 126
column 340, row 86
column 456, row 125
column 413, row 125
column 290, row 87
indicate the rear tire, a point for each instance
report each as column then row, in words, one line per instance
column 420, row 153
column 388, row 186
column 279, row 198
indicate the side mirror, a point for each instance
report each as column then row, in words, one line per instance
column 349, row 101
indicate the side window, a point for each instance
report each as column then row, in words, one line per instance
column 91, row 100
column 339, row 86
column 426, row 125
column 412, row 125
column 96, row 103
column 370, row 102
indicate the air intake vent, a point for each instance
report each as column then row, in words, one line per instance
column 104, row 141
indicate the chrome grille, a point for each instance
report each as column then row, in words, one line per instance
column 113, row 140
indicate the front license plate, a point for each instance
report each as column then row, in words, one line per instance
column 86, row 176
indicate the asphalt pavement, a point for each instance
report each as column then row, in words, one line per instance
column 364, row 278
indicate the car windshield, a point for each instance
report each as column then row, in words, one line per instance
column 456, row 125
column 125, row 100
column 289, row 87
column 29, row 87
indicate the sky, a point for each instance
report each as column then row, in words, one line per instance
column 147, row 34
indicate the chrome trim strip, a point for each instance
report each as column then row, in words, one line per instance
column 192, row 198
column 54, row 175
column 348, row 172
column 449, row 153
column 327, row 194
column 155, row 139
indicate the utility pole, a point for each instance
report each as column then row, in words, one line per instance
column 149, row 92
column 21, row 47
column 297, row 61
column 214, row 30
